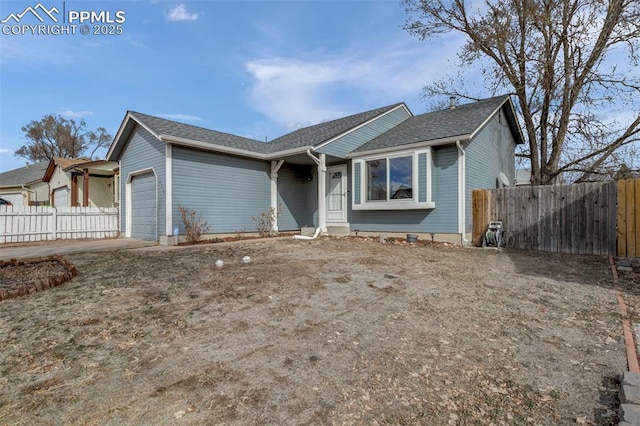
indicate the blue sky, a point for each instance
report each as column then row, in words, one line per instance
column 258, row 69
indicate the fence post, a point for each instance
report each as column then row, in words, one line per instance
column 54, row 228
column 637, row 209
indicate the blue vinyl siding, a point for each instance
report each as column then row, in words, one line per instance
column 311, row 199
column 227, row 191
column 143, row 151
column 491, row 152
column 442, row 219
column 344, row 145
column 445, row 188
column 293, row 186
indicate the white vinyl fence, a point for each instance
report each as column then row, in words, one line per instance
column 26, row 224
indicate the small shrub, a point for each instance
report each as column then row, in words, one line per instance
column 266, row 220
column 193, row 225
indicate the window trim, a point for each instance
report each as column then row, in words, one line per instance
column 393, row 204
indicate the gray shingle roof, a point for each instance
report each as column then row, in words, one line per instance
column 322, row 132
column 161, row 126
column 459, row 121
column 23, row 175
column 308, row 136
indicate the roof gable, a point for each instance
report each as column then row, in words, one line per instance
column 176, row 132
column 63, row 163
column 324, row 132
column 168, row 128
column 460, row 122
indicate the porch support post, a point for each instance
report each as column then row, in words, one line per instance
column 321, row 162
column 275, row 167
column 85, row 188
column 74, row 189
column 322, row 194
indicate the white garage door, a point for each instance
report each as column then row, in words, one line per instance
column 143, row 207
column 60, row 197
column 15, row 199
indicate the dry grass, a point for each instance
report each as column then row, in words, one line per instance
column 322, row 332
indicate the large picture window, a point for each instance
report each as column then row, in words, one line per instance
column 390, row 178
column 401, row 181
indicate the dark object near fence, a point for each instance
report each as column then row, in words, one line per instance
column 494, row 235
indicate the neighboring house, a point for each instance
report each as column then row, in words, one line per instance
column 523, row 178
column 24, row 186
column 383, row 170
column 80, row 182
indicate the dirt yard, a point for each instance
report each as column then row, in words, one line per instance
column 331, row 331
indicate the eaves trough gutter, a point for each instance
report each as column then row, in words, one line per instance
column 234, row 151
column 415, row 145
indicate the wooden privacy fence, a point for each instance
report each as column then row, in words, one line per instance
column 629, row 218
column 27, row 224
column 589, row 218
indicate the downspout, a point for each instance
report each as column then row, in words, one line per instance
column 169, row 230
column 322, row 190
column 275, row 167
column 462, row 183
column 305, row 237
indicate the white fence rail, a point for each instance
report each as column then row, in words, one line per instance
column 27, row 224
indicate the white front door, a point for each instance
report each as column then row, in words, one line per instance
column 337, row 194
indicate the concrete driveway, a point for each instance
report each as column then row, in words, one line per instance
column 48, row 248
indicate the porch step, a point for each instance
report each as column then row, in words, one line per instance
column 338, row 230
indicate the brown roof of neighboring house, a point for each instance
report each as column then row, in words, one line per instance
column 63, row 163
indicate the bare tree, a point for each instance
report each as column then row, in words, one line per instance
column 55, row 136
column 571, row 64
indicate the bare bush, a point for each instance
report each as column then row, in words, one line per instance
column 266, row 221
column 193, row 225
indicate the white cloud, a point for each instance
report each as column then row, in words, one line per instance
column 300, row 91
column 76, row 114
column 6, row 151
column 291, row 91
column 180, row 13
column 182, row 117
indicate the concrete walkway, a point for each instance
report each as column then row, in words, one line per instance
column 48, row 248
